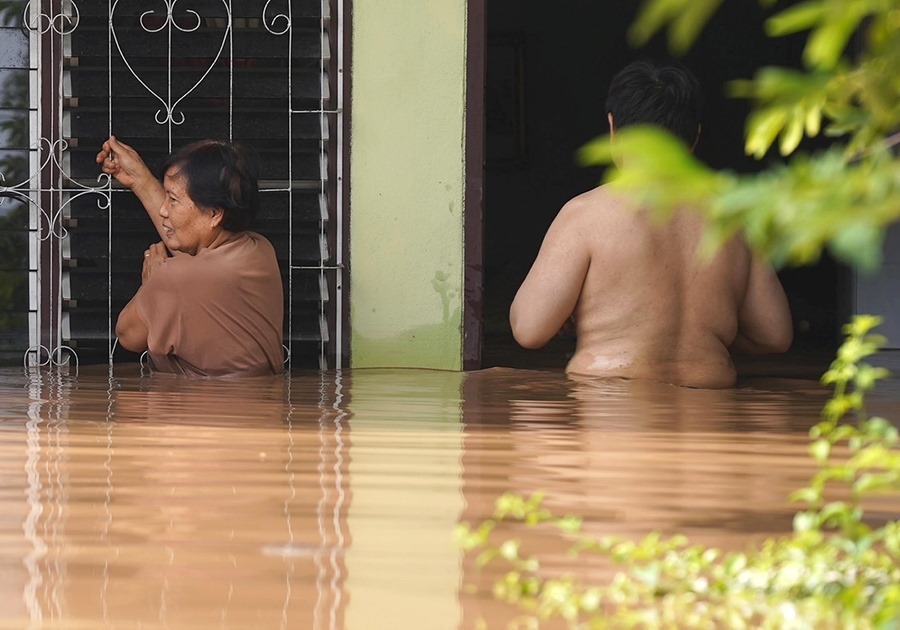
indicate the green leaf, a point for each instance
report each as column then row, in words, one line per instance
column 826, row 43
column 868, row 375
column 820, row 450
column 684, row 18
column 870, row 482
column 799, row 17
column 883, row 430
column 509, row 550
column 860, row 325
column 763, row 126
column 806, row 521
column 859, row 244
column 591, row 599
column 595, row 152
column 835, row 512
column 813, row 122
column 485, row 557
column 793, row 132
column 570, row 524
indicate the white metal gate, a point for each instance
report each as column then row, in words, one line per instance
column 160, row 74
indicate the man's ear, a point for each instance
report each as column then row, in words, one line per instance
column 612, row 126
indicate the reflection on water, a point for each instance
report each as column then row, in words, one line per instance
column 324, row 500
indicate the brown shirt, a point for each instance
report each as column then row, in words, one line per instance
column 217, row 313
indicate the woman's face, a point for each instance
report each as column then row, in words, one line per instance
column 187, row 228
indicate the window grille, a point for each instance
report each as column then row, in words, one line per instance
column 159, row 75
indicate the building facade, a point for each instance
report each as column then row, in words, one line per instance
column 277, row 76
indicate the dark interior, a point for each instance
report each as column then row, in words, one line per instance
column 547, row 75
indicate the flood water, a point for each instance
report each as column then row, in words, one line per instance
column 329, row 500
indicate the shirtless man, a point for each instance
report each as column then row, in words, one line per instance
column 643, row 303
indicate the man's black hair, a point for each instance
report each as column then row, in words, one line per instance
column 667, row 95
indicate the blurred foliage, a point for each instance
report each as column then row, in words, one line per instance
column 841, row 198
column 834, row 571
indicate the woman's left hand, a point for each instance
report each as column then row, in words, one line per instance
column 154, row 256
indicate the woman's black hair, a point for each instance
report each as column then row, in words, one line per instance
column 665, row 95
column 222, row 175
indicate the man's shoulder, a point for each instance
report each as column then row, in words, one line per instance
column 599, row 204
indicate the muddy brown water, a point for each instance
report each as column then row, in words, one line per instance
column 328, row 500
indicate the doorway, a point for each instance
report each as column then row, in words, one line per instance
column 547, row 73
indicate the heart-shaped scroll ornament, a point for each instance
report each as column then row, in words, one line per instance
column 167, row 20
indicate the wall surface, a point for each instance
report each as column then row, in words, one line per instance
column 407, row 183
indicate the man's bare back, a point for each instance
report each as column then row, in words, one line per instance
column 645, row 305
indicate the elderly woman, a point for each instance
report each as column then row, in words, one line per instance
column 211, row 298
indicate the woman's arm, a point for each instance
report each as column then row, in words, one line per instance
column 131, row 330
column 126, row 166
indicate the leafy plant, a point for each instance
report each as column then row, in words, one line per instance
column 834, row 571
column 840, row 199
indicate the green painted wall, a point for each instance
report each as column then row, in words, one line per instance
column 407, row 183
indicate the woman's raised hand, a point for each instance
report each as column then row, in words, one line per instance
column 154, row 256
column 122, row 162
column 125, row 164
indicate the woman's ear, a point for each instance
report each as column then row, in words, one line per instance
column 216, row 216
column 612, row 126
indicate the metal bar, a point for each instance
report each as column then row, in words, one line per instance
column 323, row 175
column 315, row 268
column 316, row 111
column 339, row 195
column 112, row 340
